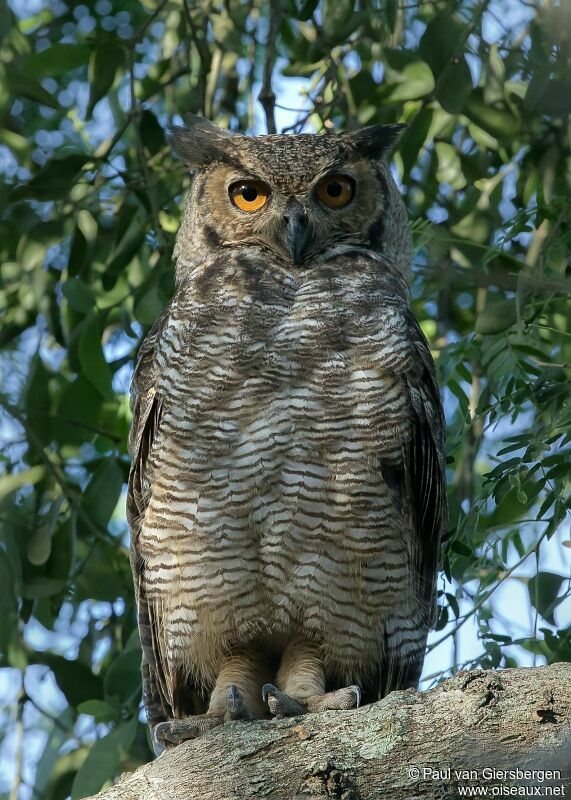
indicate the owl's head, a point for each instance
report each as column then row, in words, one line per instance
column 294, row 196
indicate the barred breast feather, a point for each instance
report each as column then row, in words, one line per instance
column 287, row 472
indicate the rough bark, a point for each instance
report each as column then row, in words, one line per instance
column 401, row 747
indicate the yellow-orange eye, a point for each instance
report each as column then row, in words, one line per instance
column 336, row 191
column 249, row 195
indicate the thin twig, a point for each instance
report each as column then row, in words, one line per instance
column 212, row 83
column 75, row 423
column 138, row 35
column 130, row 46
column 56, row 721
column 150, row 186
column 19, row 754
column 486, row 596
column 267, row 96
column 204, row 57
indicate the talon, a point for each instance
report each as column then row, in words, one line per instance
column 233, row 700
column 268, row 689
column 175, row 731
column 357, row 692
column 236, row 707
column 159, row 745
column 279, row 703
column 160, row 732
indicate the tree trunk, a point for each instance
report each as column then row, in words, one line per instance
column 442, row 744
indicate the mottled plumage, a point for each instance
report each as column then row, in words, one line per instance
column 287, row 496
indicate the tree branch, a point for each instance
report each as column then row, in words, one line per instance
column 267, row 97
column 481, row 720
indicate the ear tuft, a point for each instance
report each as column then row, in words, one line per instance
column 199, row 144
column 376, row 141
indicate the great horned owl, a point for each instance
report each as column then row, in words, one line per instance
column 287, row 492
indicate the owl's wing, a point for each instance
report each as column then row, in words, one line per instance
column 147, row 406
column 426, row 465
column 421, row 487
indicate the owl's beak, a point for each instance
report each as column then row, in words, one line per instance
column 296, row 231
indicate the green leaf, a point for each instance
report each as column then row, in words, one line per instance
column 500, row 123
column 440, row 42
column 40, row 545
column 391, row 13
column 31, row 24
column 106, row 574
column 20, row 86
column 461, row 548
column 20, row 145
column 58, row 732
column 79, row 295
column 104, row 64
column 61, row 559
column 414, row 138
column 496, row 317
column 36, row 588
column 461, row 396
column 297, row 68
column 336, row 15
column 103, row 491
column 59, row 59
column 449, row 166
column 495, row 77
column 63, row 773
column 543, row 591
column 152, row 133
column 15, row 481
column 453, row 603
column 441, row 47
column 306, row 9
column 78, row 412
column 74, row 678
column 443, row 618
column 77, row 253
column 102, row 711
column 408, row 76
column 103, row 759
column 148, row 304
column 91, row 358
column 5, row 20
column 37, row 399
column 341, row 34
column 126, row 248
column 54, row 180
column 454, row 86
column 551, row 97
column 10, row 580
column 123, row 678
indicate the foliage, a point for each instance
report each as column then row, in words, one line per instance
column 90, row 200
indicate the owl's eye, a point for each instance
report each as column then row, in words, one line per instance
column 249, row 195
column 336, row 191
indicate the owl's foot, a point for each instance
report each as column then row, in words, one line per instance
column 236, row 706
column 340, row 700
column 175, row 731
column 280, row 703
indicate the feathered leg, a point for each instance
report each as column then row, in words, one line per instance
column 301, row 684
column 236, row 695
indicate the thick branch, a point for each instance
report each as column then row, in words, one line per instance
column 480, row 720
